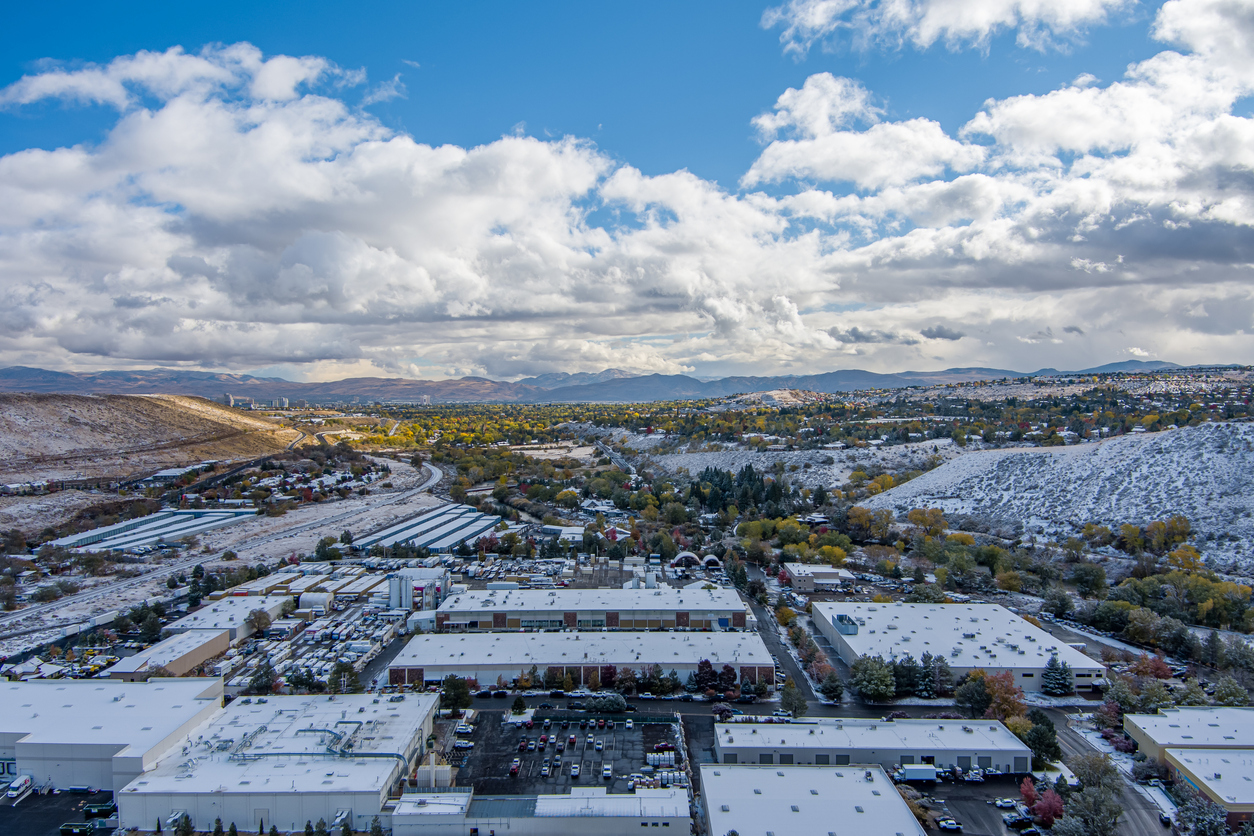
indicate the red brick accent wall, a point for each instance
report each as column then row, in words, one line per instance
column 498, row 621
column 738, row 619
column 611, row 619
column 441, row 618
column 681, row 619
column 587, row 673
column 750, row 672
column 396, row 676
column 766, row 675
column 571, row 619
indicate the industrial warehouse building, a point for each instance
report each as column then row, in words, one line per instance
column 1225, row 776
column 807, row 577
column 1191, row 727
column 593, row 609
column 100, row 733
column 803, row 801
column 840, row 742
column 579, row 812
column 230, row 614
column 175, row 656
column 1208, row 747
column 491, row 657
column 285, row 760
column 969, row 636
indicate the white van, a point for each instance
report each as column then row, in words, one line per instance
column 20, row 786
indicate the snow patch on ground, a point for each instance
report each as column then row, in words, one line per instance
column 899, row 457
column 1205, row 473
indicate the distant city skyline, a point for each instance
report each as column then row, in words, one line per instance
column 711, row 190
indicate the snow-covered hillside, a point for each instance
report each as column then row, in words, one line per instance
column 829, row 468
column 1205, row 473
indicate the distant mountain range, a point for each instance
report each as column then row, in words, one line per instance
column 610, row 386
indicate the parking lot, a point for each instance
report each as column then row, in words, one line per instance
column 487, row 768
column 43, row 815
column 969, row 804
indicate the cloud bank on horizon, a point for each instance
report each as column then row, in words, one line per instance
column 245, row 211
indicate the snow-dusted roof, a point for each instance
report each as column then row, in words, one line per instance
column 229, row 613
column 164, row 652
column 804, row 801
column 598, row 600
column 289, row 743
column 103, row 711
column 1224, row 773
column 983, row 635
column 1197, row 726
column 588, row 648
column 819, row 571
column 903, row 735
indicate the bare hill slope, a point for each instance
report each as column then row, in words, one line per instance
column 110, row 436
column 1205, row 473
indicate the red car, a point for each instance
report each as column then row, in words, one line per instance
column 514, row 767
column 522, row 745
column 601, row 723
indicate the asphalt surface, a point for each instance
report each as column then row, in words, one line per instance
column 496, row 746
column 43, row 815
column 1140, row 815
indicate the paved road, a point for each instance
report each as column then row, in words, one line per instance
column 1140, row 816
column 110, row 590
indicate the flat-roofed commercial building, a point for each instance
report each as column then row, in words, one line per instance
column 968, row 636
column 840, row 742
column 593, row 609
column 1225, row 776
column 579, row 812
column 804, row 801
column 286, row 760
column 1191, row 727
column 489, row 657
column 230, row 614
column 818, row 577
column 176, row 655
column 100, row 733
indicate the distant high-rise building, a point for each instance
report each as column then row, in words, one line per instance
column 426, row 400
column 228, row 400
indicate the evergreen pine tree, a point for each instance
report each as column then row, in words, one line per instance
column 925, row 687
column 1057, row 680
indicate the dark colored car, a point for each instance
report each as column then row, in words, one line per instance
column 483, row 695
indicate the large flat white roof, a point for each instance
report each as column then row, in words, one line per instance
column 804, row 801
column 904, row 735
column 285, row 745
column 228, row 613
column 818, row 570
column 588, row 648
column 164, row 652
column 575, row 600
column 1227, row 773
column 984, row 635
column 1198, row 726
column 103, row 711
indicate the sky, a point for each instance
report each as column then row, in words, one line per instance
column 319, row 191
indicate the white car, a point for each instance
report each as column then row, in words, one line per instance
column 630, row 725
column 949, row 825
column 464, row 744
column 779, row 712
column 606, row 772
column 574, row 770
column 1005, row 803
column 465, row 729
column 600, row 745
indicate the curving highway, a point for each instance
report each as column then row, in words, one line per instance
column 110, row 590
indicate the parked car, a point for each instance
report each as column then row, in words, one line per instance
column 629, row 724
column 606, row 772
column 514, row 767
column 949, row 825
column 1005, row 803
column 600, row 745
column 464, row 744
column 574, row 770
column 779, row 712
